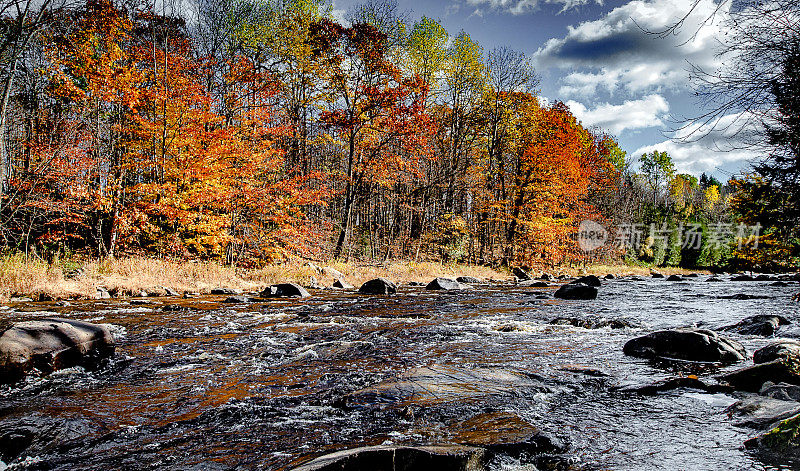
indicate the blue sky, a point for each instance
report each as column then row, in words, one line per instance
column 596, row 57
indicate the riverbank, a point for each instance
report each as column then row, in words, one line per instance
column 38, row 280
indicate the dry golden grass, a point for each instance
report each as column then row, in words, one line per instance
column 20, row 276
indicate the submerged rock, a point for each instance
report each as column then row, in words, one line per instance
column 764, row 325
column 674, row 278
column 713, row 279
column 610, row 276
column 742, row 278
column 656, row 274
column 440, row 384
column 395, row 458
column 445, row 284
column 594, row 322
column 589, row 280
column 378, row 286
column 505, row 433
column 669, row 384
column 686, row 344
column 51, row 344
column 576, row 291
column 237, row 299
column 285, row 290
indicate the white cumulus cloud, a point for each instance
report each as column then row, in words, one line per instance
column 647, row 112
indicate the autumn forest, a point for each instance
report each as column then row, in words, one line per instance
column 249, row 132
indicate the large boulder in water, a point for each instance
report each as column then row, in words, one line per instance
column 285, row 290
column 51, row 344
column 395, row 458
column 468, row 279
column 784, row 349
column 378, row 286
column 764, row 325
column 444, row 284
column 576, row 291
column 686, row 344
column 589, row 280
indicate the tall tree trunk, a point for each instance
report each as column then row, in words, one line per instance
column 348, row 199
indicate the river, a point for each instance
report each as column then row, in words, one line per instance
column 268, row 385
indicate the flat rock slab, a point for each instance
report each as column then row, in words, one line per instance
column 51, row 344
column 440, row 384
column 761, row 412
column 752, row 378
column 397, row 458
column 506, row 433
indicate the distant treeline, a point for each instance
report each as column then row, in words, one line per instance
column 250, row 131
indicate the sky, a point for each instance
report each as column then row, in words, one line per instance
column 602, row 59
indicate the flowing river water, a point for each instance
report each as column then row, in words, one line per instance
column 201, row 384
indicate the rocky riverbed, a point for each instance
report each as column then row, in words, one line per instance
column 494, row 376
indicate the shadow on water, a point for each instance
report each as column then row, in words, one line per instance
column 270, row 385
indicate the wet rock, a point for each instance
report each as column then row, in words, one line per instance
column 594, row 322
column 761, row 412
column 691, row 275
column 468, row 279
column 444, row 284
column 669, row 384
column 139, row 302
column 779, row 283
column 589, row 280
column 752, row 378
column 780, row 391
column 521, row 274
column 546, row 277
column 576, row 291
column 610, row 276
column 765, row 277
column 686, row 344
column 534, row 284
column 510, row 327
column 102, row 293
column 378, row 286
column 655, row 274
column 341, row 283
column 637, row 278
column 764, row 325
column 63, row 304
column 172, row 308
column 190, row 295
column 415, row 283
column 440, row 384
column 51, row 344
column 713, row 279
column 20, row 299
column 336, row 350
column 396, row 458
column 169, row 291
column 285, row 290
column 225, row 291
column 674, row 278
column 236, row 299
column 784, row 349
column 742, row 278
column 782, row 440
